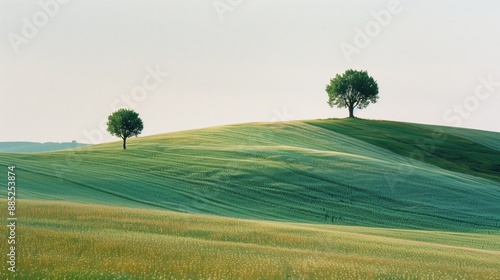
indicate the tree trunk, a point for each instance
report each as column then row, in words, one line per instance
column 351, row 111
column 124, row 143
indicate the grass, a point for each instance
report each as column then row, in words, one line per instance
column 127, row 243
column 460, row 150
column 317, row 172
column 331, row 199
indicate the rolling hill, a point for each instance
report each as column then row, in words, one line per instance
column 319, row 199
column 342, row 172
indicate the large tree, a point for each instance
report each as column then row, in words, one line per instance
column 125, row 123
column 354, row 89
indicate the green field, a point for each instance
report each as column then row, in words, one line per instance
column 312, row 199
column 125, row 243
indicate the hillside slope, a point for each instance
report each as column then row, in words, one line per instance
column 294, row 171
column 467, row 151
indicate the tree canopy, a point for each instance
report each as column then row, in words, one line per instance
column 354, row 89
column 125, row 123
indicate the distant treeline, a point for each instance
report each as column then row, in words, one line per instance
column 33, row 147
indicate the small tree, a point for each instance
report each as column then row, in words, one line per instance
column 125, row 123
column 354, row 89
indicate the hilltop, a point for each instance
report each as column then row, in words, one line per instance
column 343, row 172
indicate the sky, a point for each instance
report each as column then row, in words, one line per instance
column 65, row 65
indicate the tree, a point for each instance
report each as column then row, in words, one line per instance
column 125, row 123
column 354, row 89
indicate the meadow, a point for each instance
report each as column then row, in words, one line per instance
column 291, row 171
column 318, row 199
column 126, row 243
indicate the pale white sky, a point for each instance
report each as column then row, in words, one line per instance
column 66, row 65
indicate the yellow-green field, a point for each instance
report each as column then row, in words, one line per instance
column 342, row 172
column 325, row 199
column 60, row 240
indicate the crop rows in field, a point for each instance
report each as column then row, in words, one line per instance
column 316, row 172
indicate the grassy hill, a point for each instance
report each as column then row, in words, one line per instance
column 342, row 172
column 466, row 151
column 322, row 199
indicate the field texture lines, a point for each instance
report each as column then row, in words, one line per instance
column 74, row 241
